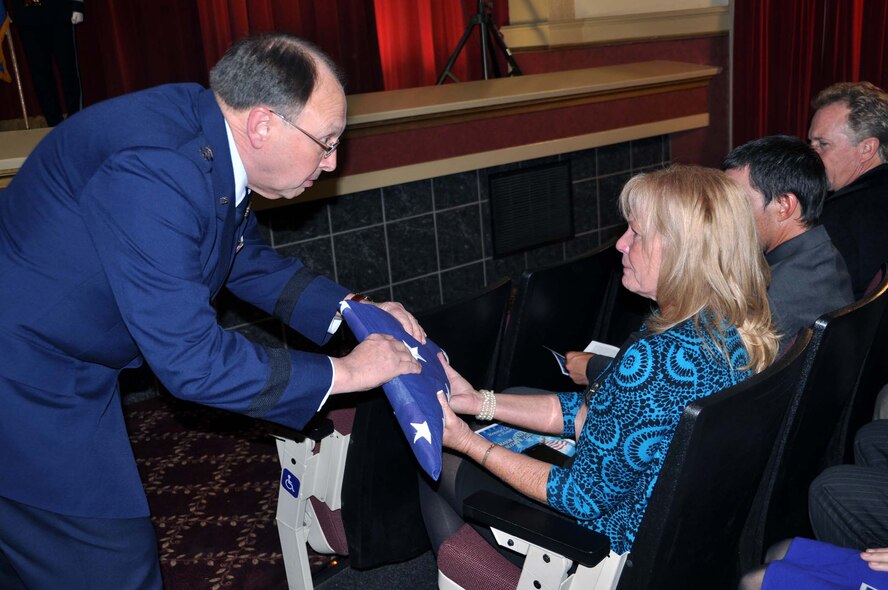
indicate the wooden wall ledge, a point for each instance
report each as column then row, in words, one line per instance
column 381, row 112
column 412, row 134
column 14, row 148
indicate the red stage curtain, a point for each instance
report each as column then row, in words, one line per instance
column 345, row 29
column 417, row 37
column 785, row 51
column 124, row 46
column 128, row 46
column 874, row 50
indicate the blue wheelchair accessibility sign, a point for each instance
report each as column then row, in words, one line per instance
column 290, row 483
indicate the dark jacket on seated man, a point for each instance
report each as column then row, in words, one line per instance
column 856, row 218
column 808, row 279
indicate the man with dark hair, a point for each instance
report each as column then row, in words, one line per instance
column 785, row 182
column 850, row 132
column 116, row 236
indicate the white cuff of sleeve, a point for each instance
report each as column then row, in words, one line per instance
column 329, row 389
column 334, row 325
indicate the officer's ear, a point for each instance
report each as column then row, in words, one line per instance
column 259, row 126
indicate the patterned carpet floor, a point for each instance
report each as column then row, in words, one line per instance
column 211, row 479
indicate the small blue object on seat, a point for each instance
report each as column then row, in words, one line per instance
column 413, row 397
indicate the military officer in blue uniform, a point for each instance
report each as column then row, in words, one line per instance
column 115, row 237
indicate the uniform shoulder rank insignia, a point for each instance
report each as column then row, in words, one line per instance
column 207, row 152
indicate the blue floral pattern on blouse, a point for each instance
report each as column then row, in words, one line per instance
column 632, row 417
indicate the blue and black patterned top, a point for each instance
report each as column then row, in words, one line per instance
column 632, row 418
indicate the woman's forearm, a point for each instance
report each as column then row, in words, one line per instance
column 526, row 474
column 541, row 413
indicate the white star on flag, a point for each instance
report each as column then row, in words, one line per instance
column 422, row 431
column 414, row 350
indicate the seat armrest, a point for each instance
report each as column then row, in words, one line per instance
column 315, row 430
column 539, row 526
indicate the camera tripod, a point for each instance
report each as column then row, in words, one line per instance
column 491, row 39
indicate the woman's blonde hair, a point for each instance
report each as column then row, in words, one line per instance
column 711, row 267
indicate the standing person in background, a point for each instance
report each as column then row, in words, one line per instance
column 47, row 29
column 850, row 132
column 116, row 235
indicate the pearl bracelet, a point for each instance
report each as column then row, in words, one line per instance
column 488, row 405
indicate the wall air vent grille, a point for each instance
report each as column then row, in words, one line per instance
column 530, row 207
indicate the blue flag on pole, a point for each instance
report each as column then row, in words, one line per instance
column 4, row 28
column 413, row 397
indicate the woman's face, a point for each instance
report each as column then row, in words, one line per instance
column 641, row 259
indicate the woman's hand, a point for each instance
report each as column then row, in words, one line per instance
column 877, row 559
column 457, row 433
column 576, row 363
column 464, row 399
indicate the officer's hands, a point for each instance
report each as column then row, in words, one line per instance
column 76, row 18
column 376, row 360
column 408, row 322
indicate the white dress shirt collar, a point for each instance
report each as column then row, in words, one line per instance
column 240, row 173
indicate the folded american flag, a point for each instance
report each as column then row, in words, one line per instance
column 413, row 397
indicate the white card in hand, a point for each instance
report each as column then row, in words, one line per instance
column 601, row 348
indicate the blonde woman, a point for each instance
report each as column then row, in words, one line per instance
column 691, row 246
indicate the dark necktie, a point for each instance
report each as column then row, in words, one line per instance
column 242, row 211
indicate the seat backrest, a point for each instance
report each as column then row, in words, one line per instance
column 873, row 377
column 689, row 533
column 557, row 306
column 815, row 427
column 470, row 331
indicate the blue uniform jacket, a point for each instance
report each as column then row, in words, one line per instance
column 115, row 236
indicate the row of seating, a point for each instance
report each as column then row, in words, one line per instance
column 727, row 490
column 734, row 482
